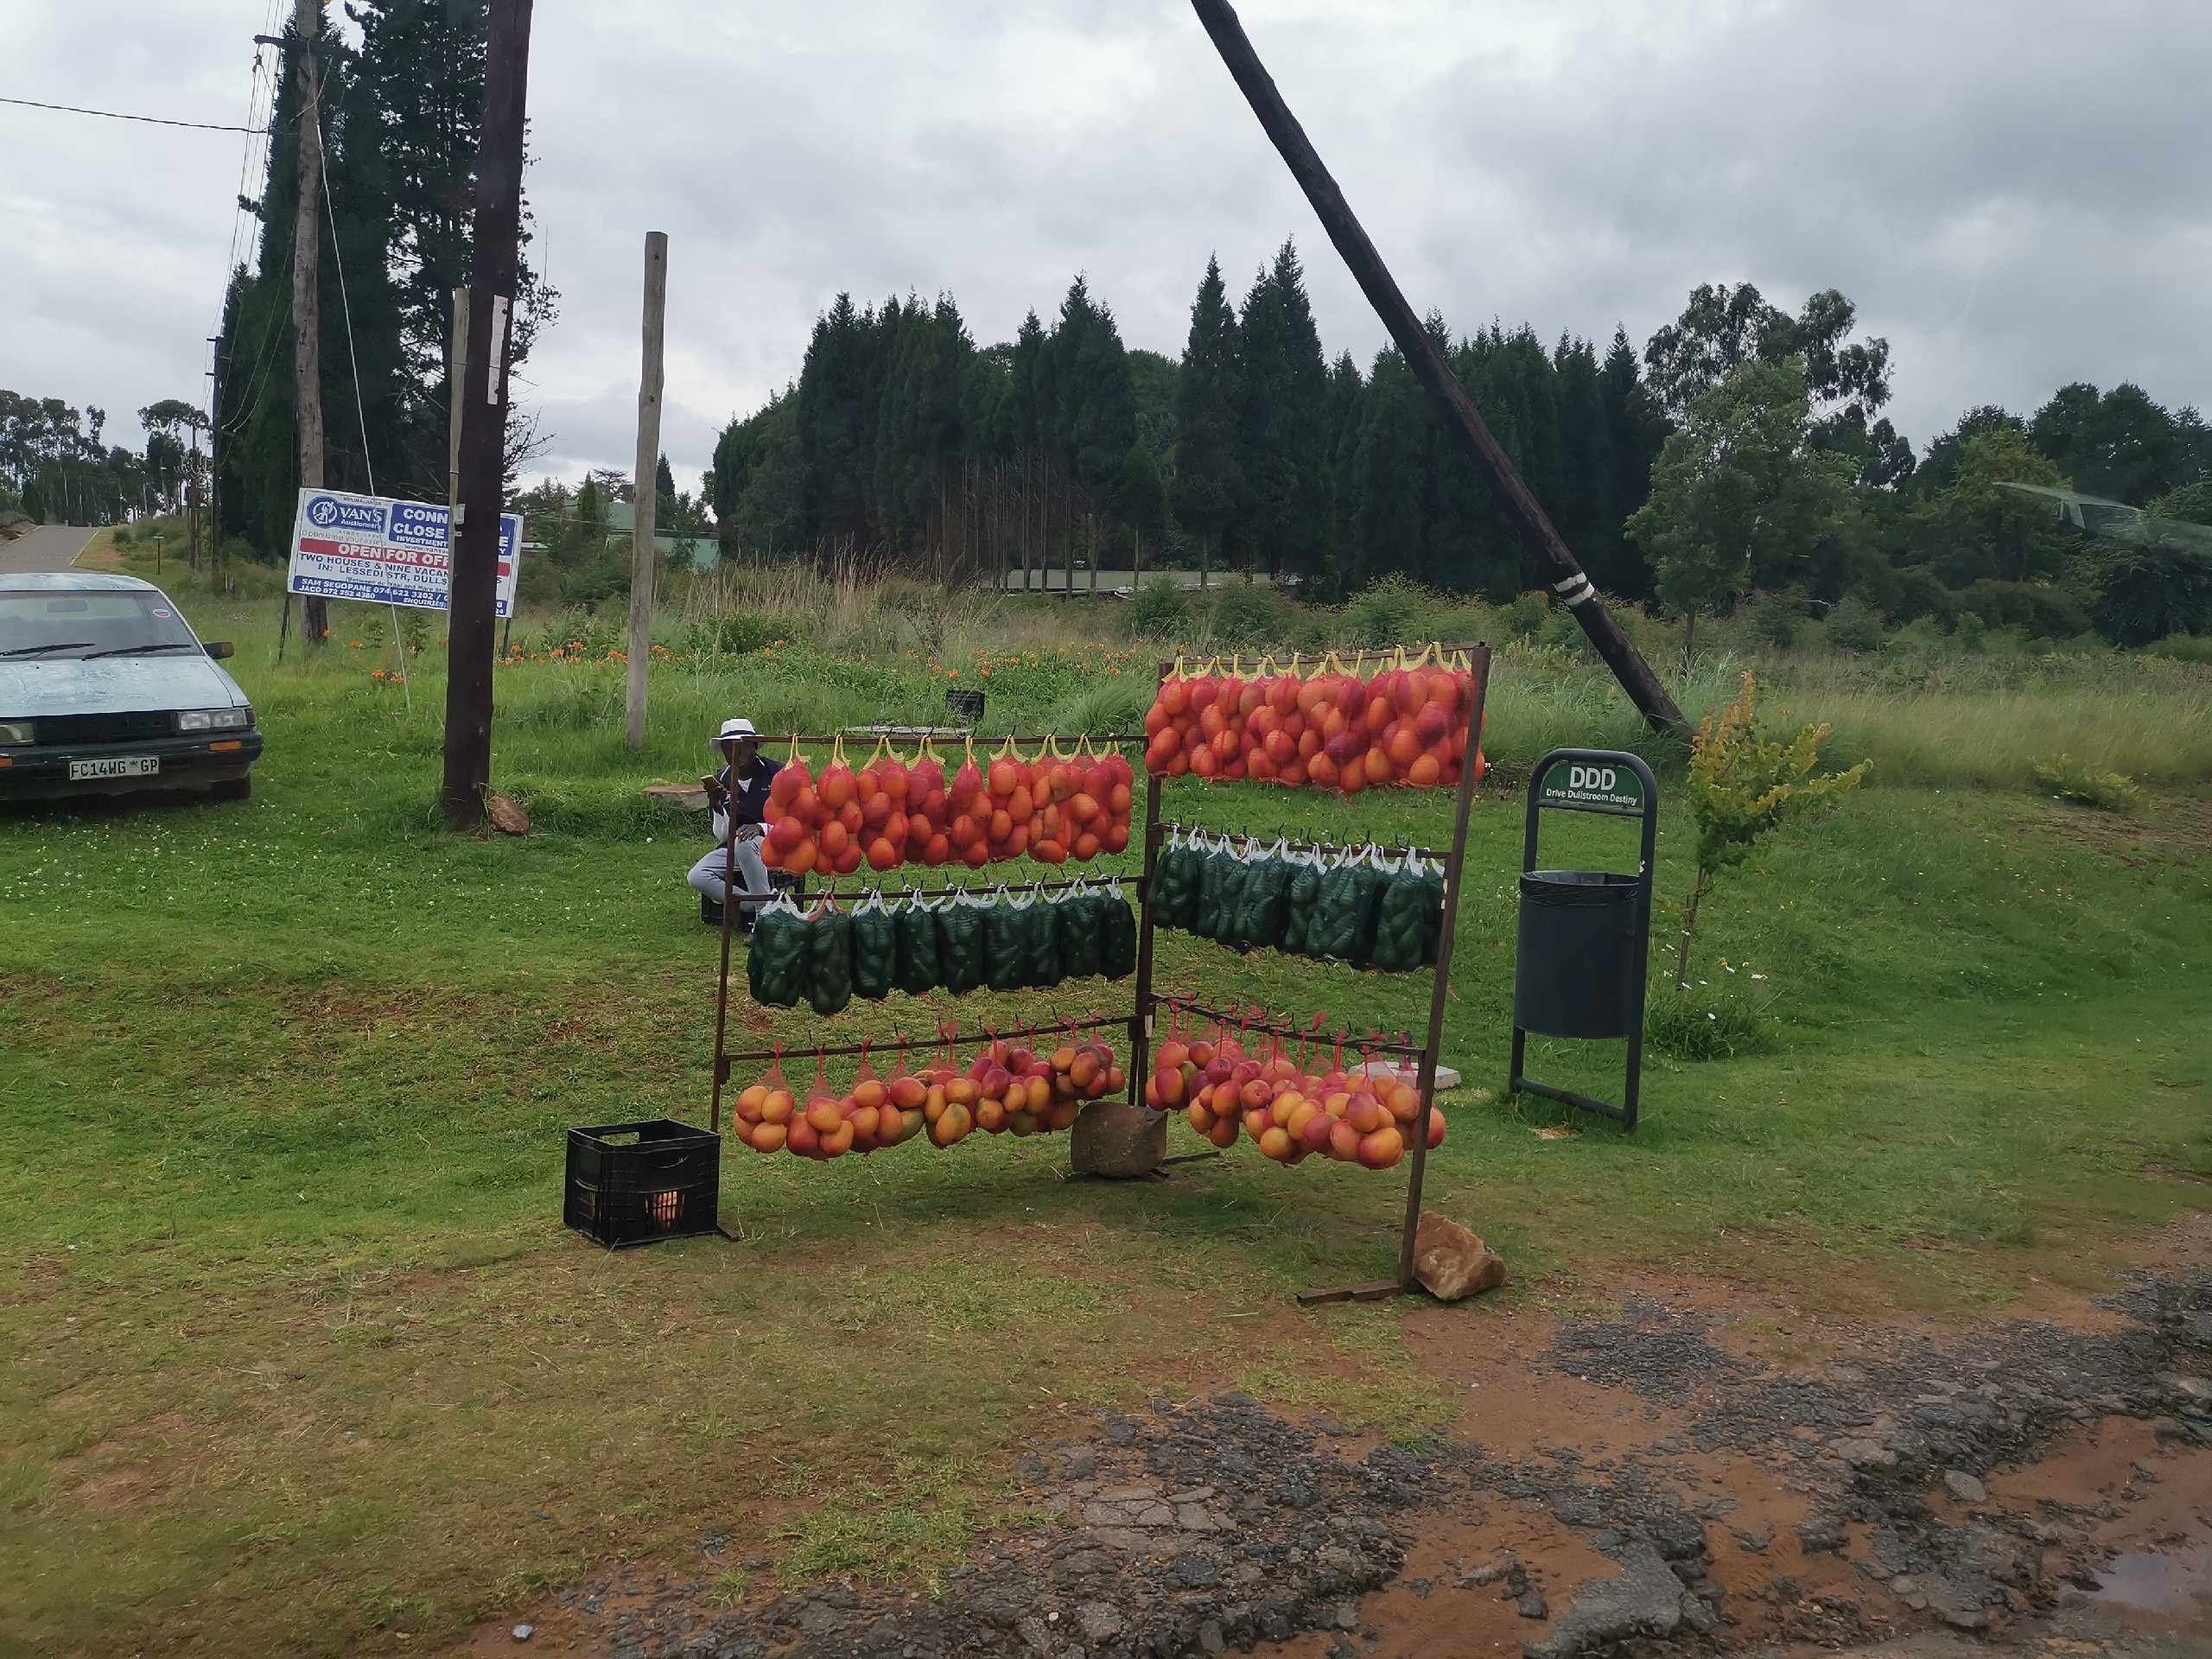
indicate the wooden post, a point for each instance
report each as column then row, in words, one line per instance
column 1426, row 361
column 1454, row 866
column 306, row 309
column 1140, row 1022
column 456, row 373
column 645, row 493
column 472, row 596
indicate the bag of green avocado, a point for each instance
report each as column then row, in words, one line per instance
column 829, row 961
column 1076, row 917
column 960, row 943
column 1117, row 934
column 1262, row 910
column 1006, row 945
column 875, row 949
column 1301, row 901
column 1175, row 883
column 917, row 923
column 775, row 961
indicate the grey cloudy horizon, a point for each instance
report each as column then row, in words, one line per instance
column 2009, row 191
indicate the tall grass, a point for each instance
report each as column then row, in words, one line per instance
column 850, row 648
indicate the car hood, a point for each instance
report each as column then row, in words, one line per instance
column 114, row 685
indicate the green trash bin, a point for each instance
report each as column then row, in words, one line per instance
column 1581, row 952
column 1585, row 936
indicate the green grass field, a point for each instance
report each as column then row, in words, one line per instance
column 301, row 1359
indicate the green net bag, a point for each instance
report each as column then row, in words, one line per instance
column 1175, row 883
column 915, row 924
column 1076, row 915
column 1040, row 942
column 960, row 943
column 1264, row 905
column 1409, row 917
column 1302, row 898
column 875, row 949
column 829, row 960
column 1368, row 882
column 1221, row 889
column 1343, row 915
column 775, row 961
column 1117, row 933
column 1006, row 945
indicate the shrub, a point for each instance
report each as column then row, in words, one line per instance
column 1563, row 634
column 122, row 538
column 1741, row 786
column 744, row 631
column 1775, row 619
column 2038, row 609
column 1854, row 624
column 1249, row 616
column 1524, row 618
column 581, row 636
column 1158, row 610
column 1388, row 614
column 1702, row 1024
column 2182, row 648
column 1972, row 633
column 2069, row 779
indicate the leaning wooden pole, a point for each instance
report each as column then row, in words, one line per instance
column 1426, row 360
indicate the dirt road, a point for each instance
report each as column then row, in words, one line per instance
column 1699, row 1470
column 49, row 547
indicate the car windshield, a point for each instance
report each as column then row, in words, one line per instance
column 65, row 624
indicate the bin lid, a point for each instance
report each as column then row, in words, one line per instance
column 1579, row 887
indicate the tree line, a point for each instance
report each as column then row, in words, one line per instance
column 57, row 467
column 1742, row 450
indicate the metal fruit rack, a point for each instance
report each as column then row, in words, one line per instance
column 1156, row 830
column 1148, row 1001
column 725, row 1058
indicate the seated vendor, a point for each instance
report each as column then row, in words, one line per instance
column 738, row 799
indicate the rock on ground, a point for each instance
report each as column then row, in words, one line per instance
column 1451, row 1262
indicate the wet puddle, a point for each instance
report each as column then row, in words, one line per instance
column 2167, row 1586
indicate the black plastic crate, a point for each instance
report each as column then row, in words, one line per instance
column 634, row 1183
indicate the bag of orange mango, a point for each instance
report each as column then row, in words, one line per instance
column 761, row 1117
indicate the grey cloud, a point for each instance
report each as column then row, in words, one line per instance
column 2011, row 189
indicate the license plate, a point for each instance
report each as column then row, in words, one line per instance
column 120, row 765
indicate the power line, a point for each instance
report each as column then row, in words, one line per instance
column 116, row 115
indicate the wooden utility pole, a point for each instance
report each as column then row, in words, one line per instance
column 307, row 308
column 1426, row 361
column 645, row 491
column 473, row 601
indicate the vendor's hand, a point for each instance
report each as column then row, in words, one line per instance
column 749, row 832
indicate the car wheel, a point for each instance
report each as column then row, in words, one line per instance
column 231, row 789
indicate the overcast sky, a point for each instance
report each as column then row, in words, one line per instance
column 2014, row 191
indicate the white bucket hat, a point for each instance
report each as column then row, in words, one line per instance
column 732, row 729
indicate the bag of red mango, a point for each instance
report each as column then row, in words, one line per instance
column 1390, row 721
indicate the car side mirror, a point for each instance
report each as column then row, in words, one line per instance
column 219, row 649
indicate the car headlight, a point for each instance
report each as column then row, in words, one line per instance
column 214, row 720
column 15, row 731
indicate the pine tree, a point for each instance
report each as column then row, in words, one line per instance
column 1284, row 439
column 1209, row 399
column 400, row 121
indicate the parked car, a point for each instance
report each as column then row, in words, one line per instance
column 104, row 689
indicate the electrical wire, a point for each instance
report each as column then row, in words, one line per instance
column 117, row 115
